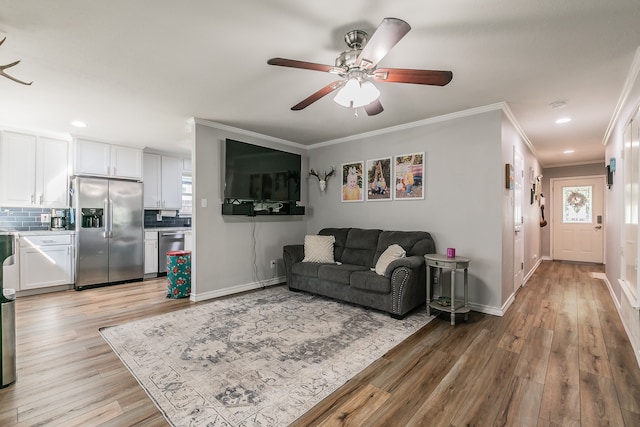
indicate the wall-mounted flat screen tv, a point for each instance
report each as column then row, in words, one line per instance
column 259, row 173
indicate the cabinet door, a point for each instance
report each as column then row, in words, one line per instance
column 51, row 173
column 17, row 169
column 45, row 266
column 126, row 162
column 92, row 158
column 171, row 182
column 151, row 256
column 152, row 182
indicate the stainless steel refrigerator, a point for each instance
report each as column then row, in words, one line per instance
column 109, row 225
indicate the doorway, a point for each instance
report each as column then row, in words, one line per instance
column 577, row 225
column 518, row 221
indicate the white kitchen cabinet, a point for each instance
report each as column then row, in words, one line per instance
column 33, row 171
column 102, row 159
column 45, row 260
column 162, row 182
column 150, row 252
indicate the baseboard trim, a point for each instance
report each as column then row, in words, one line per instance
column 618, row 305
column 236, row 289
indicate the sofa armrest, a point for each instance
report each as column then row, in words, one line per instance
column 411, row 262
column 290, row 255
column 408, row 285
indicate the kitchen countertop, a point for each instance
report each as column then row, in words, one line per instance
column 36, row 232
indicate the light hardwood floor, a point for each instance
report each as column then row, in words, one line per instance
column 559, row 356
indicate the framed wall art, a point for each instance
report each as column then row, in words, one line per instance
column 409, row 172
column 379, row 179
column 353, row 182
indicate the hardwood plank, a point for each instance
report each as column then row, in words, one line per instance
column 535, row 355
column 598, row 401
column 521, row 404
column 561, row 396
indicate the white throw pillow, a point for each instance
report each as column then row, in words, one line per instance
column 318, row 248
column 392, row 253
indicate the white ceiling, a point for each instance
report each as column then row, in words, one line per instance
column 136, row 71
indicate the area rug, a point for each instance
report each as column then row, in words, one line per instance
column 258, row 359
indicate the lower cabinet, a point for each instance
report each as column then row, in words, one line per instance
column 45, row 260
column 150, row 252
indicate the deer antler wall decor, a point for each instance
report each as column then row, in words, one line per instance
column 4, row 67
column 322, row 179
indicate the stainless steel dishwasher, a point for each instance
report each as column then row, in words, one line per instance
column 168, row 241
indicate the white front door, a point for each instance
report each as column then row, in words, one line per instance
column 518, row 220
column 578, row 222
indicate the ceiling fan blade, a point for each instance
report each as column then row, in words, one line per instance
column 386, row 36
column 406, row 75
column 374, row 108
column 300, row 64
column 319, row 94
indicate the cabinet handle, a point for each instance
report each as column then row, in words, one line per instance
column 114, row 171
column 33, row 199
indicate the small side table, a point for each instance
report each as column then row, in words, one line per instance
column 453, row 264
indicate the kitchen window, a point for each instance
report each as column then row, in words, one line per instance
column 187, row 195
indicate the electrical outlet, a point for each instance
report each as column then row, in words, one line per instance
column 45, row 218
column 158, row 217
column 273, row 264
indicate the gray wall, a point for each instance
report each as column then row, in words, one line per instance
column 466, row 204
column 223, row 259
column 594, row 169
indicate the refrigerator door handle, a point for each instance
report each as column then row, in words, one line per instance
column 106, row 230
column 110, row 218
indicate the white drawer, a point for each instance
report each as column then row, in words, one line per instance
column 45, row 240
column 150, row 235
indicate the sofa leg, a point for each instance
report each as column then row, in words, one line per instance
column 396, row 316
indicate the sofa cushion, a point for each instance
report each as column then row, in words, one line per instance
column 318, row 248
column 370, row 281
column 360, row 247
column 308, row 269
column 338, row 273
column 392, row 253
column 413, row 242
column 341, row 239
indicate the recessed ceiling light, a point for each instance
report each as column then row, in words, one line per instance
column 569, row 151
column 79, row 124
column 563, row 120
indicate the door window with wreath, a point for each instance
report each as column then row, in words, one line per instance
column 576, row 205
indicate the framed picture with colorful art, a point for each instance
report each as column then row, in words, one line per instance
column 408, row 176
column 378, row 179
column 353, row 182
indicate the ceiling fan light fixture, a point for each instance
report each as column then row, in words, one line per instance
column 356, row 94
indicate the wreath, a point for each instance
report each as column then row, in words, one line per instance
column 577, row 200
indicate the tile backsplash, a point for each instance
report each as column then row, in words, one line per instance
column 28, row 219
column 23, row 219
column 151, row 221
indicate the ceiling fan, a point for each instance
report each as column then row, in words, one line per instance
column 357, row 69
column 4, row 67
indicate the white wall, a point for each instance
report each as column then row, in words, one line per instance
column 223, row 259
column 614, row 199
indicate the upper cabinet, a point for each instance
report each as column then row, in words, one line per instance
column 33, row 171
column 162, row 182
column 108, row 160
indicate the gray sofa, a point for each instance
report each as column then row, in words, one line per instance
column 351, row 279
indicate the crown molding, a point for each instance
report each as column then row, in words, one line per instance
column 227, row 128
column 500, row 106
column 632, row 77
